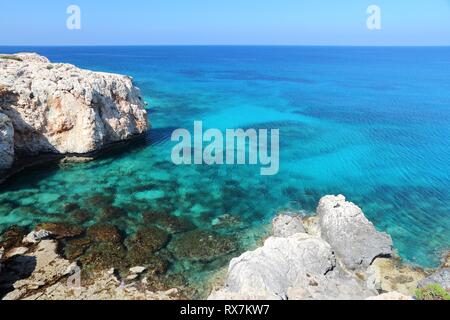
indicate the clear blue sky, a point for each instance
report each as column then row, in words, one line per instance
column 297, row 22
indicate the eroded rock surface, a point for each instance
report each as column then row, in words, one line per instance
column 59, row 108
column 6, row 141
column 353, row 237
column 285, row 225
column 269, row 271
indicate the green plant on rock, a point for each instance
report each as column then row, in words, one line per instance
column 10, row 58
column 432, row 292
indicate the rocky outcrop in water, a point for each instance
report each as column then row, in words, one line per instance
column 60, row 109
column 353, row 237
column 309, row 261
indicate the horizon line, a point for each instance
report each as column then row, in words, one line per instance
column 225, row 45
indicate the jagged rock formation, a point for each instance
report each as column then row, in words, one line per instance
column 61, row 109
column 354, row 238
column 310, row 261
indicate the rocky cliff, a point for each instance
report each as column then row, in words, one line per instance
column 60, row 109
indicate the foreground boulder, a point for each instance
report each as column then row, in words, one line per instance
column 353, row 237
column 300, row 267
column 320, row 258
column 59, row 108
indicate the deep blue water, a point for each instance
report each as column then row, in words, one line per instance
column 370, row 123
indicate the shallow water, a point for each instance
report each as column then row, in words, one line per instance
column 370, row 123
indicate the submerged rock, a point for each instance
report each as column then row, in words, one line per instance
column 353, row 237
column 100, row 200
column 80, row 215
column 111, row 213
column 104, row 233
column 76, row 247
column 201, row 245
column 70, row 207
column 12, row 237
column 103, row 256
column 169, row 222
column 287, row 225
column 59, row 108
column 226, row 221
column 154, row 264
column 148, row 239
column 61, row 230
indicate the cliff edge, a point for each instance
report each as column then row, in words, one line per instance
column 57, row 108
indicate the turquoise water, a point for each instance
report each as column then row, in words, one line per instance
column 370, row 123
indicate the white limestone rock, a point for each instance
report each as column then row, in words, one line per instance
column 6, row 141
column 269, row 271
column 353, row 237
column 337, row 286
column 287, row 225
column 36, row 236
column 59, row 108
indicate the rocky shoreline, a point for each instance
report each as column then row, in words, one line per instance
column 336, row 255
column 58, row 112
column 355, row 262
